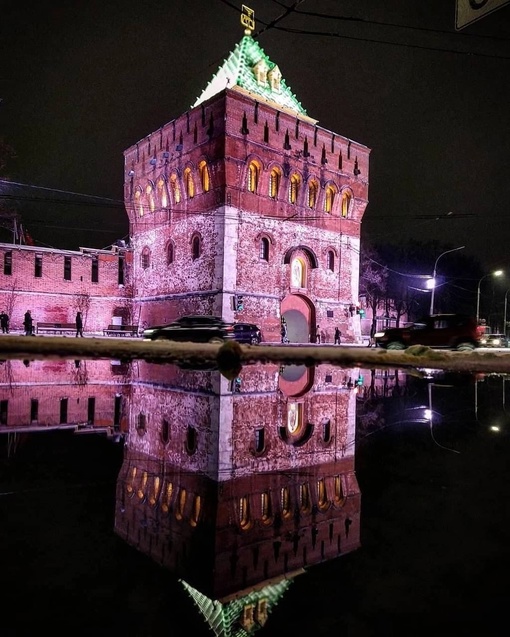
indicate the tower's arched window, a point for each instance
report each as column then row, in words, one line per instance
column 162, row 192
column 175, row 189
column 191, row 439
column 329, row 198
column 322, row 494
column 204, row 176
column 170, row 253
column 195, row 248
column 188, row 182
column 253, row 176
column 331, row 260
column 274, row 183
column 138, row 203
column 313, row 189
column 297, row 272
column 304, row 497
column 146, row 258
column 294, row 188
column 149, row 193
column 181, row 504
column 154, row 491
column 195, row 510
column 285, row 503
column 165, row 431
column 340, row 496
column 166, row 498
column 346, row 203
column 264, row 249
column 266, row 508
column 244, row 513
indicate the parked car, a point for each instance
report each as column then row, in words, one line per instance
column 247, row 333
column 447, row 331
column 200, row 328
column 494, row 340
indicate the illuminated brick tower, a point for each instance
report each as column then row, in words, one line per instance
column 244, row 207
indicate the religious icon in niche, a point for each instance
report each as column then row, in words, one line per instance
column 297, row 274
column 293, row 418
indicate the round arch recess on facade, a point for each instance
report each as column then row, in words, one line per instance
column 314, row 262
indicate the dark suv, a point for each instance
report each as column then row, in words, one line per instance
column 447, row 331
column 247, row 333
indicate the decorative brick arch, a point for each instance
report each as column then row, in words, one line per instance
column 287, row 257
column 295, row 385
column 299, row 314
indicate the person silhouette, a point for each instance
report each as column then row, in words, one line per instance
column 79, row 324
column 4, row 322
column 28, row 323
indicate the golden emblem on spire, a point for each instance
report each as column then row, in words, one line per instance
column 248, row 19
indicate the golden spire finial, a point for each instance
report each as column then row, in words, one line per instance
column 248, row 19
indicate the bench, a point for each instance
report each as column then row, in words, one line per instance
column 121, row 330
column 55, row 328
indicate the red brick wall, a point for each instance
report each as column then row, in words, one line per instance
column 231, row 220
column 51, row 298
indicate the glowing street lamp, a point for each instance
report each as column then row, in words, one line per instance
column 431, row 283
column 495, row 273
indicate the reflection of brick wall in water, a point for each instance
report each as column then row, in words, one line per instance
column 223, row 538
column 53, row 392
column 230, row 506
column 215, row 428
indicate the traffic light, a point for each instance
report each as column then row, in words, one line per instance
column 239, row 303
column 359, row 380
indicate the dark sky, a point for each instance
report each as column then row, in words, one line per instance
column 82, row 81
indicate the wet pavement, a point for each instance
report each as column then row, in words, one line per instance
column 93, row 540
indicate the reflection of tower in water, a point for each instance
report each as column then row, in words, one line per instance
column 237, row 492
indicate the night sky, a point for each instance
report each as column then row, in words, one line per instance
column 82, row 81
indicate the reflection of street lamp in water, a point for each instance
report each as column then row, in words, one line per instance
column 495, row 427
column 429, row 413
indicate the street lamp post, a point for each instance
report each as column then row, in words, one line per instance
column 504, row 313
column 495, row 273
column 433, row 284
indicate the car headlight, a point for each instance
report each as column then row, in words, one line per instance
column 379, row 334
column 496, row 341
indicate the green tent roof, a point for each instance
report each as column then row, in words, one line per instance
column 248, row 68
column 224, row 619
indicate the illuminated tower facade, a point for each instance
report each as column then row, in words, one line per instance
column 245, row 207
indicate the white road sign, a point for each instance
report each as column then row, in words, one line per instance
column 468, row 11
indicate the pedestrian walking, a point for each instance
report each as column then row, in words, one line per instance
column 283, row 331
column 318, row 334
column 371, row 340
column 79, row 324
column 4, row 322
column 28, row 323
column 338, row 335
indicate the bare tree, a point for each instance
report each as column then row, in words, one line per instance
column 81, row 303
column 11, row 299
